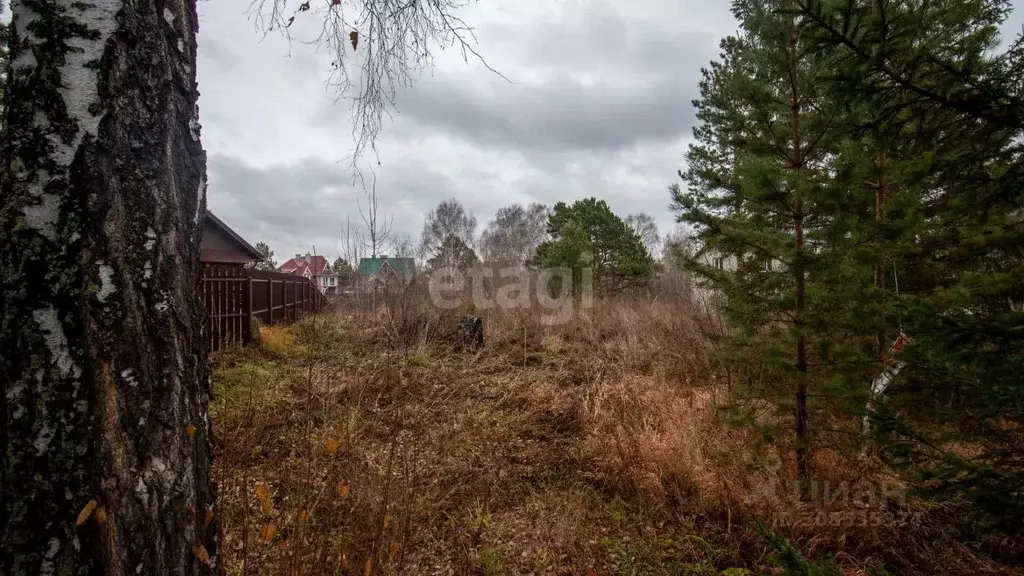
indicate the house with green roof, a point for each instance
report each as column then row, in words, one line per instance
column 387, row 270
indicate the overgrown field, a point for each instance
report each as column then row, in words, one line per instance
column 369, row 443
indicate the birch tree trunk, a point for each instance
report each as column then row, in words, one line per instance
column 106, row 440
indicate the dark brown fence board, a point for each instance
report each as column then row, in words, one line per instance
column 233, row 295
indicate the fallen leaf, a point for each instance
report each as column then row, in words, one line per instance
column 263, row 495
column 202, row 555
column 208, row 518
column 191, row 430
column 86, row 512
column 343, row 489
column 387, row 522
column 101, row 515
column 331, row 446
column 354, row 37
column 268, row 532
column 369, row 567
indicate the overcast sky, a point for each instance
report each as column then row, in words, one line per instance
column 598, row 105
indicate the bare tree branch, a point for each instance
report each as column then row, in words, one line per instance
column 378, row 234
column 376, row 46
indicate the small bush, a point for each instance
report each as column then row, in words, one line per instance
column 280, row 341
column 255, row 327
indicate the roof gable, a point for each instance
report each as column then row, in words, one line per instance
column 222, row 244
column 318, row 264
column 405, row 267
column 307, row 266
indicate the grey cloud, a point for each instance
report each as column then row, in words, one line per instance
column 600, row 39
column 295, row 206
column 290, row 205
column 589, row 76
column 215, row 52
column 557, row 114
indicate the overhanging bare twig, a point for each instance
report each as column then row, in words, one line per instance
column 392, row 42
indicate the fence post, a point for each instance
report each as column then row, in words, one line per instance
column 247, row 318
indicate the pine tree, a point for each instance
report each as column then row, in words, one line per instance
column 346, row 274
column 588, row 234
column 452, row 255
column 933, row 73
column 762, row 195
column 886, row 135
column 267, row 263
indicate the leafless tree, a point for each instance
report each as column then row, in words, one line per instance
column 351, row 248
column 449, row 218
column 646, row 229
column 404, row 246
column 514, row 234
column 676, row 249
column 376, row 47
column 378, row 233
column 449, row 224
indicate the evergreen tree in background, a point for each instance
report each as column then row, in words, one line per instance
column 452, row 255
column 588, row 234
column 346, row 273
column 267, row 263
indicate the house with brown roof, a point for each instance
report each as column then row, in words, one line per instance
column 222, row 245
column 315, row 268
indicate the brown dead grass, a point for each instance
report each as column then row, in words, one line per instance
column 366, row 443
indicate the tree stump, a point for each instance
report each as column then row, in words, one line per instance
column 470, row 331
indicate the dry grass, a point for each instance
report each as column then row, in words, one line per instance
column 366, row 443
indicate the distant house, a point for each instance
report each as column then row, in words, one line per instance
column 728, row 263
column 382, row 271
column 711, row 257
column 315, row 268
column 222, row 245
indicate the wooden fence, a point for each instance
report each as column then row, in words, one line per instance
column 233, row 295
